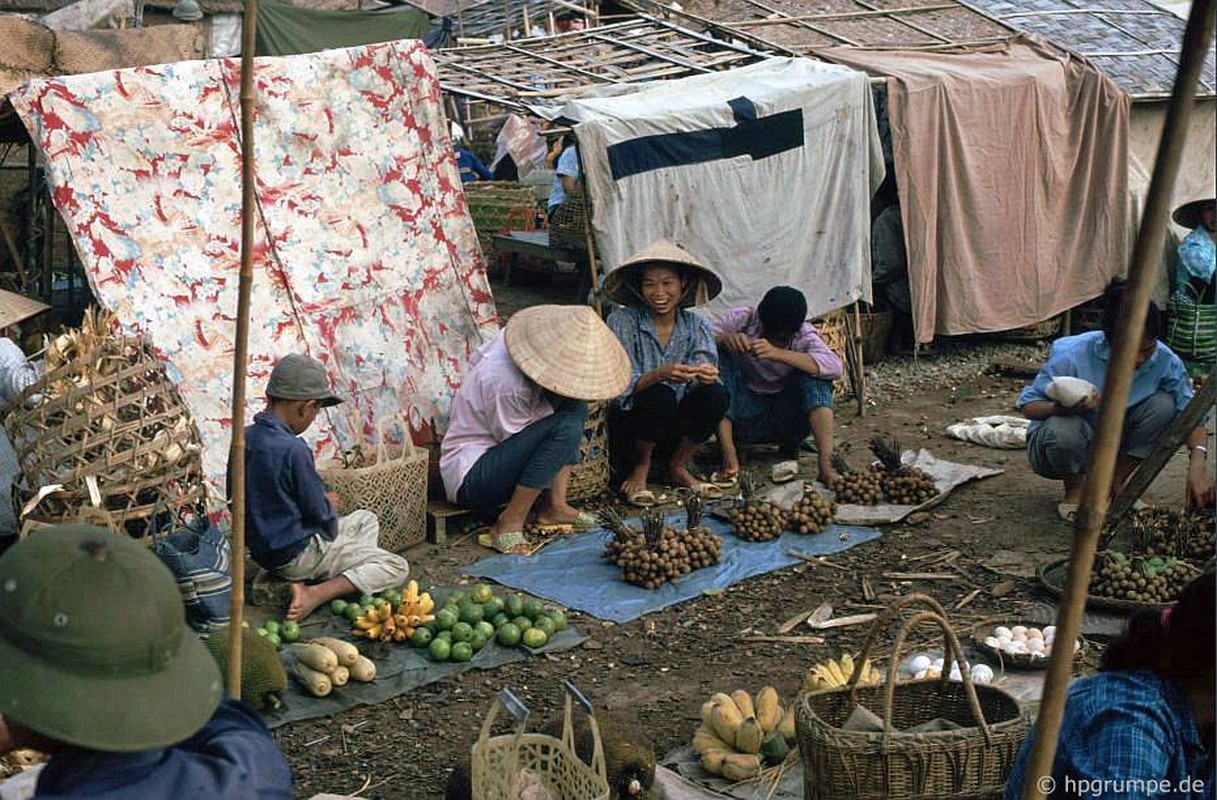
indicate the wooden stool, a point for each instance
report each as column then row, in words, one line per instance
column 438, row 514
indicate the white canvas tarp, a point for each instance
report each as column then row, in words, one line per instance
column 764, row 173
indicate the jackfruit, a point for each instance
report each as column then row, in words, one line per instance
column 263, row 679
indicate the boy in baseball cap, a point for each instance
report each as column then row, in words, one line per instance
column 98, row 668
column 292, row 523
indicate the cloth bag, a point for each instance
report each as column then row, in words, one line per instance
column 199, row 556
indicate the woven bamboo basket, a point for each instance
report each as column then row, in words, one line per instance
column 833, row 331
column 107, row 425
column 590, row 477
column 492, row 205
column 875, row 327
column 569, row 223
column 972, row 761
column 393, row 487
column 501, row 764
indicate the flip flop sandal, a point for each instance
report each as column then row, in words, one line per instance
column 724, row 481
column 707, row 491
column 642, row 498
column 510, row 543
column 586, row 521
column 784, row 472
column 1067, row 511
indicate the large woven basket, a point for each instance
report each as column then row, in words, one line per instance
column 590, row 476
column 108, row 427
column 875, row 328
column 970, row 762
column 498, row 762
column 492, row 207
column 394, row 488
column 833, row 331
column 569, row 224
column 1191, row 331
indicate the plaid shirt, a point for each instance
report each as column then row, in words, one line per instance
column 691, row 343
column 1133, row 730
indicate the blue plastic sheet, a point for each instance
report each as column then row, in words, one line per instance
column 571, row 571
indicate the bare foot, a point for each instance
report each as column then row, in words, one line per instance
column 730, row 468
column 681, row 476
column 637, row 481
column 305, row 600
column 564, row 514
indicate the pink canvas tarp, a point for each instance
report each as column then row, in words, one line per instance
column 1012, row 167
column 365, row 256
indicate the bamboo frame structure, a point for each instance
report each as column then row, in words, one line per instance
column 236, row 454
column 537, row 72
column 1100, row 473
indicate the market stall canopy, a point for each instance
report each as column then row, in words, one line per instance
column 364, row 252
column 537, row 72
column 764, row 173
column 285, row 30
column 1005, row 224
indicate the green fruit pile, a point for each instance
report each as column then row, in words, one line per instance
column 279, row 633
column 469, row 620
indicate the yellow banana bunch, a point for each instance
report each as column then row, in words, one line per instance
column 740, row 734
column 834, row 673
column 388, row 624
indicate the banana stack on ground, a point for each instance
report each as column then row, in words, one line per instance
column 831, row 674
column 389, row 624
column 740, row 735
column 324, row 662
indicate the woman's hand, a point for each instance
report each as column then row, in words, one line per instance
column 1200, row 493
column 705, row 373
column 737, row 343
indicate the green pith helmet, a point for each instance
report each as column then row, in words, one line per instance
column 94, row 648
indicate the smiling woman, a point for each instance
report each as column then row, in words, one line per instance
column 674, row 400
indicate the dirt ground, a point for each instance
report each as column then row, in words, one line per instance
column 659, row 669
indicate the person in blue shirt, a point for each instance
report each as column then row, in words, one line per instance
column 469, row 165
column 1059, row 438
column 99, row 670
column 567, row 176
column 1142, row 727
column 674, row 400
column 292, row 522
column 1193, row 281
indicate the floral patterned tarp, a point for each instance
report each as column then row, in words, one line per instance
column 365, row 256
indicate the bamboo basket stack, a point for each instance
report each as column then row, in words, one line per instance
column 492, row 204
column 107, row 426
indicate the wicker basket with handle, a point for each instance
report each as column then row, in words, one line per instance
column 394, row 488
column 502, row 764
column 833, row 331
column 971, row 761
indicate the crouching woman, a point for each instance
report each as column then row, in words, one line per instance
column 517, row 420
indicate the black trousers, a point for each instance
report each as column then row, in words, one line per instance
column 656, row 415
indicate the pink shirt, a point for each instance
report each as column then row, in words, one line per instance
column 495, row 402
column 767, row 377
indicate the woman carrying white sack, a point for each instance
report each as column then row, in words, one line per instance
column 1064, row 413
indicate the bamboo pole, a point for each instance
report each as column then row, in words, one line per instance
column 236, row 455
column 1093, row 509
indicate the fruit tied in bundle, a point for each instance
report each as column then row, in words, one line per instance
column 856, row 487
column 1165, row 532
column 903, row 485
column 812, row 513
column 658, row 553
column 756, row 519
column 1153, row 580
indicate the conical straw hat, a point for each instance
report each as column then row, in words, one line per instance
column 1188, row 214
column 15, row 307
column 569, row 351
column 621, row 285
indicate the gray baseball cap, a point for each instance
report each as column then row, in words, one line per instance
column 300, row 377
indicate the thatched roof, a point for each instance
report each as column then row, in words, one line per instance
column 1134, row 41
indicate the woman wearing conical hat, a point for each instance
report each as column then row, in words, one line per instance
column 674, row 400
column 1192, row 297
column 517, row 420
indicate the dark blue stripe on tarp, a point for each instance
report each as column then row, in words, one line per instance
column 757, row 137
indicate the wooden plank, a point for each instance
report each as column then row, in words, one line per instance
column 1171, row 441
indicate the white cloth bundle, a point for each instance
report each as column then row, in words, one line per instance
column 1069, row 391
column 1004, row 433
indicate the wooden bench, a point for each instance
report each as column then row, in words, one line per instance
column 535, row 245
column 438, row 514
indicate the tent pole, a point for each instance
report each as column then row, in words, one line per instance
column 588, row 237
column 236, row 455
column 1093, row 508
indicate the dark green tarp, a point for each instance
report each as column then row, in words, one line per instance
column 287, row 30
